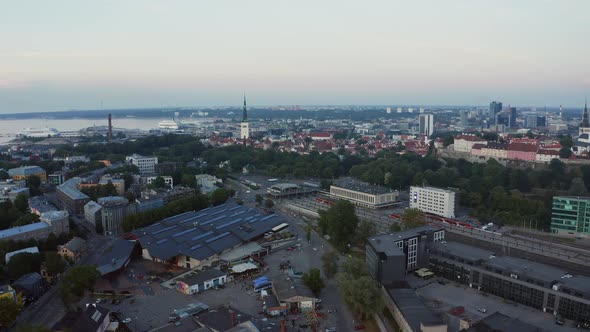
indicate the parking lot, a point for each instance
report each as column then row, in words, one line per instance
column 442, row 298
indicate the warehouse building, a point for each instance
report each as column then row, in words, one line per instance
column 364, row 194
column 198, row 238
column 533, row 284
column 433, row 200
column 410, row 312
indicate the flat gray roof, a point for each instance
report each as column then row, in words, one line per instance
column 413, row 309
column 201, row 276
column 407, row 234
column 462, row 250
column 70, row 189
column 500, row 322
column 22, row 229
column 362, row 187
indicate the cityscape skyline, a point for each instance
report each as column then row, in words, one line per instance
column 339, row 53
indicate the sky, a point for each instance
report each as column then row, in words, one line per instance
column 71, row 54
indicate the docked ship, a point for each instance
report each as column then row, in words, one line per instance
column 168, row 125
column 38, row 132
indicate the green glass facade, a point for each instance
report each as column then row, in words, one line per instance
column 570, row 215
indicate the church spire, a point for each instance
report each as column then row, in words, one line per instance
column 244, row 112
column 585, row 122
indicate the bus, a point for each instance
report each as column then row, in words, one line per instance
column 280, row 227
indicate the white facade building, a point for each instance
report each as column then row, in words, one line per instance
column 433, row 200
column 207, row 183
column 146, row 165
column 364, row 194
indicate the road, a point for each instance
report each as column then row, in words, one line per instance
column 49, row 308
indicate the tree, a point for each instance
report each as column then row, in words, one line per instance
column 259, row 198
column 566, row 141
column 340, row 222
column 362, row 294
column 313, row 280
column 76, row 281
column 565, row 153
column 189, row 180
column 330, row 263
column 365, row 230
column 412, row 218
column 21, row 264
column 158, row 182
column 21, row 203
column 268, row 203
column 54, row 263
column 355, row 267
column 3, row 174
column 577, row 187
column 308, row 233
column 26, row 219
column 9, row 309
column 219, row 196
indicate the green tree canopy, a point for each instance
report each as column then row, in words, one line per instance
column 412, row 218
column 313, row 280
column 54, row 263
column 219, row 196
column 21, row 203
column 340, row 222
column 158, row 182
column 365, row 230
column 9, row 310
column 76, row 281
column 330, row 263
column 22, row 264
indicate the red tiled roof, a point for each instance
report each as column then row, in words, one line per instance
column 478, row 146
column 524, row 147
column 470, row 138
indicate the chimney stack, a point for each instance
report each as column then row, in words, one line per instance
column 110, row 129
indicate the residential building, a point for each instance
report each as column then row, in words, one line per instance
column 149, row 202
column 56, row 178
column 540, row 286
column 58, row 221
column 23, row 172
column 546, row 155
column 94, row 318
column 571, row 216
column 496, row 150
column 73, row 249
column 40, row 204
column 70, row 198
column 522, row 151
column 197, row 238
column 433, row 200
column 426, row 124
column 201, row 281
column 410, row 313
column 146, row 165
column 363, row 194
column 12, row 194
column 92, row 213
column 207, row 183
column 119, row 184
column 55, row 222
column 464, row 143
column 413, row 243
column 147, row 180
column 113, row 212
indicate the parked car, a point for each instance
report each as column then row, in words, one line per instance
column 127, row 320
column 482, row 310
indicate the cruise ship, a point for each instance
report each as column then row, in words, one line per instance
column 38, row 132
column 168, row 125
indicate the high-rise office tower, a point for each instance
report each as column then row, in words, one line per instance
column 495, row 108
column 426, row 124
column 512, row 117
column 464, row 119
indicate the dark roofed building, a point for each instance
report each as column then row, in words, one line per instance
column 410, row 312
column 227, row 319
column 33, row 285
column 198, row 238
column 498, row 322
column 116, row 257
column 93, row 319
column 201, row 281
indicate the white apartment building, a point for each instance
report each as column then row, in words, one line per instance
column 426, row 124
column 464, row 143
column 433, row 200
column 146, row 165
column 207, row 183
column 147, row 180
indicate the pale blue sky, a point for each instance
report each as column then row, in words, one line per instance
column 57, row 55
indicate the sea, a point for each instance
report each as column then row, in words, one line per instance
column 9, row 128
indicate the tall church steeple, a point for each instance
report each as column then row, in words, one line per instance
column 585, row 122
column 244, row 112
